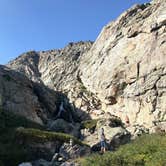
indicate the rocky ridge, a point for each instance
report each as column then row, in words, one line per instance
column 122, row 75
column 124, row 68
column 58, row 70
column 32, row 100
column 127, row 62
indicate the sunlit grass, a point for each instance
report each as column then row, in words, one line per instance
column 147, row 150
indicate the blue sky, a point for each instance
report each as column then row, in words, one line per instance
column 48, row 24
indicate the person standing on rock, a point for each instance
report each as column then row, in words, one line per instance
column 102, row 140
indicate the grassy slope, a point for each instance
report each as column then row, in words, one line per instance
column 147, row 150
column 43, row 136
column 12, row 153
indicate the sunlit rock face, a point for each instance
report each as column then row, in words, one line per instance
column 58, row 70
column 123, row 72
column 126, row 66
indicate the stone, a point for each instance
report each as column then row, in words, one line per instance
column 68, row 151
column 128, row 61
column 63, row 126
column 41, row 162
column 70, row 164
column 114, row 131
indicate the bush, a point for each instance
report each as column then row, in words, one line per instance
column 147, row 150
column 89, row 124
column 43, row 136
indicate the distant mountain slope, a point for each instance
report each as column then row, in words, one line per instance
column 55, row 68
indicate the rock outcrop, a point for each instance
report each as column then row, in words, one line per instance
column 32, row 100
column 16, row 95
column 126, row 66
column 114, row 131
column 119, row 81
column 123, row 72
column 58, row 70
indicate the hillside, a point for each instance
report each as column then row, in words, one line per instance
column 50, row 98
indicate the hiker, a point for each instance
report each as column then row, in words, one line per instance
column 102, row 140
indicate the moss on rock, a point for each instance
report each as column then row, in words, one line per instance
column 89, row 124
column 43, row 136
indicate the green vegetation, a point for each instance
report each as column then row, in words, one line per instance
column 113, row 122
column 7, row 77
column 16, row 132
column 10, row 152
column 147, row 150
column 89, row 124
column 43, row 136
column 84, row 89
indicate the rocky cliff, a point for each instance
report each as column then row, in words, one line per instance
column 126, row 66
column 123, row 72
column 58, row 70
column 32, row 100
column 119, row 81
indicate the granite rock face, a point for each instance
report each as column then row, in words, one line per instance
column 55, row 68
column 126, row 66
column 123, row 72
column 58, row 70
column 31, row 100
column 16, row 94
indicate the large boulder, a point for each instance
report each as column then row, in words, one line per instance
column 68, row 151
column 25, row 164
column 114, row 131
column 58, row 70
column 17, row 95
column 60, row 125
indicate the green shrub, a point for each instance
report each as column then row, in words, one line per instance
column 147, row 150
column 7, row 77
column 43, row 136
column 14, row 129
column 89, row 124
